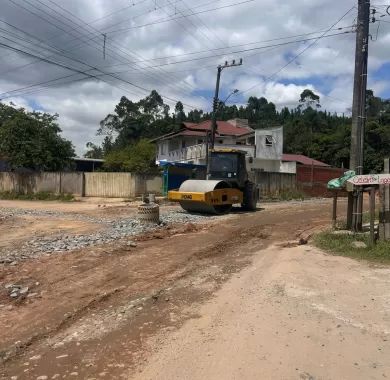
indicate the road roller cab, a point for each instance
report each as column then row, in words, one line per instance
column 227, row 184
column 229, row 165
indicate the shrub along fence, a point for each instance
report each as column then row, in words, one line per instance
column 122, row 185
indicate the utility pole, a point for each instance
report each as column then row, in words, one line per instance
column 211, row 141
column 355, row 203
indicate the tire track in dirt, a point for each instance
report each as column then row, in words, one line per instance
column 168, row 275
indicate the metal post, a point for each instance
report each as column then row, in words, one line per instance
column 359, row 105
column 207, row 152
column 372, row 215
column 334, row 213
column 387, row 200
column 349, row 210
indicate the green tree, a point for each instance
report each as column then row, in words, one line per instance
column 137, row 158
column 309, row 99
column 180, row 116
column 94, row 151
column 132, row 121
column 32, row 140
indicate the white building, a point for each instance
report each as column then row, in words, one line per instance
column 264, row 147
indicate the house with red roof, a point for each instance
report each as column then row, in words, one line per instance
column 264, row 147
column 300, row 159
column 188, row 145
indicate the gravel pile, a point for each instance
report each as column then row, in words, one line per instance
column 6, row 212
column 112, row 230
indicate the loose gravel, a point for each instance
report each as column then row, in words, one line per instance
column 112, row 230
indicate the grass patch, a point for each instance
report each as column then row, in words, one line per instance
column 286, row 195
column 343, row 245
column 40, row 196
column 366, row 216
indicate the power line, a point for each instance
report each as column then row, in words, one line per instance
column 250, row 49
column 81, row 72
column 171, row 62
column 58, row 27
column 196, row 59
column 169, row 84
column 179, row 17
column 300, row 53
column 238, row 45
column 156, row 8
column 77, row 27
column 52, row 81
column 90, row 76
column 203, row 23
column 117, row 11
column 206, row 38
column 87, row 72
column 78, row 18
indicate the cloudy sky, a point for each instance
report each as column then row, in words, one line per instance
column 52, row 55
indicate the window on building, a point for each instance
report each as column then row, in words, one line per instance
column 269, row 140
column 220, row 141
column 200, row 141
column 183, row 144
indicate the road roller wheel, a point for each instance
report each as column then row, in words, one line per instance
column 250, row 197
column 203, row 186
column 202, row 208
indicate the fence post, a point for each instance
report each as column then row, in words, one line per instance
column 372, row 215
column 384, row 215
column 83, row 184
column 334, row 213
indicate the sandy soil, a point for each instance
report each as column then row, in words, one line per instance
column 84, row 204
column 18, row 229
column 225, row 299
column 295, row 313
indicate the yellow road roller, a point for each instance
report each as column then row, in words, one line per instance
column 227, row 184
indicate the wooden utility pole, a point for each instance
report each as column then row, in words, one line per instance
column 359, row 109
column 215, row 109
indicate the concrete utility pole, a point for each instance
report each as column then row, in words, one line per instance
column 355, row 203
column 210, row 144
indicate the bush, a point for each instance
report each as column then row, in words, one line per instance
column 40, row 196
column 137, row 158
column 286, row 195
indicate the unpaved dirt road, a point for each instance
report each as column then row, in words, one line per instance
column 295, row 313
column 230, row 298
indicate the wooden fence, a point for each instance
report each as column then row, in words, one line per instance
column 58, row 183
column 116, row 185
column 271, row 184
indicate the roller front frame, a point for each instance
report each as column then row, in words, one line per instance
column 214, row 197
column 217, row 198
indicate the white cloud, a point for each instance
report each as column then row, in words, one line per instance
column 326, row 67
